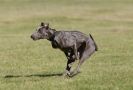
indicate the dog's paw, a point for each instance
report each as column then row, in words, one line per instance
column 74, row 73
column 66, row 73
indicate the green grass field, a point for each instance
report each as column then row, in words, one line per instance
column 29, row 65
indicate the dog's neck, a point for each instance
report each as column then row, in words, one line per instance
column 51, row 34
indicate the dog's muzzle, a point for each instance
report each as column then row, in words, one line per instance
column 32, row 37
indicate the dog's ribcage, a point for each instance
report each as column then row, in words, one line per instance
column 68, row 38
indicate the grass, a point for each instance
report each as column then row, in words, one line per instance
column 29, row 65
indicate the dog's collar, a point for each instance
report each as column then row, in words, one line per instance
column 51, row 38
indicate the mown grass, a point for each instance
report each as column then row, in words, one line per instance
column 29, row 65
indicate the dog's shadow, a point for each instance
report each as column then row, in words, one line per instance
column 34, row 75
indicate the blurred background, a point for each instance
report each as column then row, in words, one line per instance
column 35, row 65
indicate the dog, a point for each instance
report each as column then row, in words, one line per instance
column 75, row 45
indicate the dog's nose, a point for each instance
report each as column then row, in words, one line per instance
column 32, row 36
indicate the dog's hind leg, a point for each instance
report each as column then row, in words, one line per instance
column 89, row 50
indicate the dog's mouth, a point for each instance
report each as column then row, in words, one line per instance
column 33, row 38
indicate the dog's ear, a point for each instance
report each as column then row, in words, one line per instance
column 46, row 25
column 42, row 23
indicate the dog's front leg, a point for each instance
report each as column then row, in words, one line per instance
column 68, row 67
column 76, row 52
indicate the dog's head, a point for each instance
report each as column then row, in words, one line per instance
column 42, row 32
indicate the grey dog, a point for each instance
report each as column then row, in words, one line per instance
column 76, row 45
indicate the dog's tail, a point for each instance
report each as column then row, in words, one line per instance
column 96, row 48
